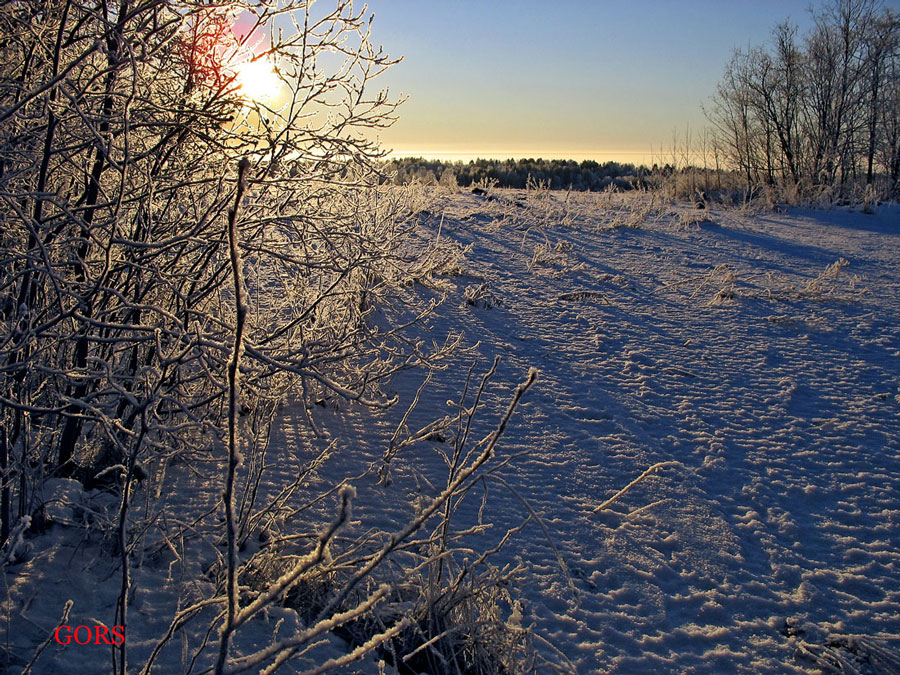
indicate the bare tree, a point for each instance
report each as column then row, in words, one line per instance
column 881, row 50
column 811, row 110
column 888, row 149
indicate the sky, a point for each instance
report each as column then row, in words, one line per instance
column 561, row 78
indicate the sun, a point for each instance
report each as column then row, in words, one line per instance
column 258, row 81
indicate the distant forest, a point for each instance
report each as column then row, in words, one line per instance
column 559, row 174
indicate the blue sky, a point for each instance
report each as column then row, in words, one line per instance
column 570, row 77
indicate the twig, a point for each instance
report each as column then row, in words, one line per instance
column 652, row 469
column 65, row 617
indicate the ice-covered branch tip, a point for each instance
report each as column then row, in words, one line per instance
column 652, row 469
column 347, row 494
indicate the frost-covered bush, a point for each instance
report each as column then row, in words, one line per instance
column 183, row 252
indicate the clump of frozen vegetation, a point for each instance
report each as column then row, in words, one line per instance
column 833, row 282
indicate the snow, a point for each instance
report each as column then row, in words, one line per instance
column 727, row 348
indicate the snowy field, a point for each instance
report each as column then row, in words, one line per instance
column 725, row 347
column 756, row 354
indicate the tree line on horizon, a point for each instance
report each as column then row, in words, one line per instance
column 558, row 174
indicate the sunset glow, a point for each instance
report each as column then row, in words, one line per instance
column 620, row 78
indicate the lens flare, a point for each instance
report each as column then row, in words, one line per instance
column 258, row 81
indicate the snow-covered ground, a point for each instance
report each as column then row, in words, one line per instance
column 712, row 345
column 741, row 350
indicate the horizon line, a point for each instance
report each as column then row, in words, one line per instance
column 636, row 157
